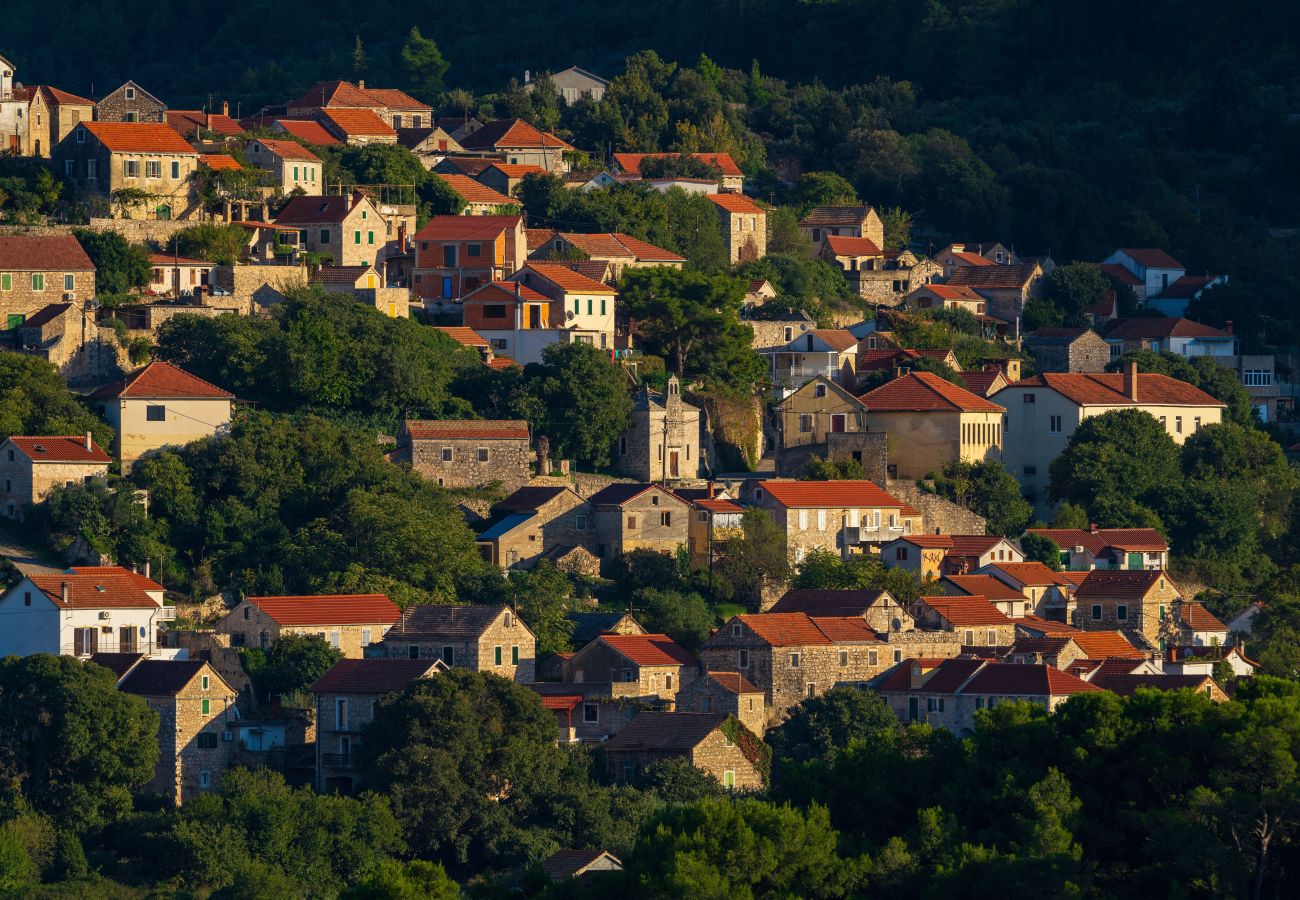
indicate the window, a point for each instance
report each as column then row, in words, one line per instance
column 580, row 523
column 844, row 659
column 204, row 682
column 1121, row 613
column 1031, row 470
column 514, row 659
column 789, row 334
column 205, row 779
column 365, row 637
column 155, row 413
column 69, row 282
column 742, row 659
column 81, row 135
column 481, row 454
column 898, row 656
column 496, row 655
column 666, row 519
column 993, row 637
column 969, row 638
column 810, row 689
column 370, row 237
column 590, row 712
column 1030, row 398
column 207, row 740
column 729, row 778
column 131, row 168
column 803, row 518
column 207, row 706
column 446, row 454
column 449, row 655
column 819, row 390
column 805, row 423
column 979, row 702
column 69, row 167
column 335, row 640
column 413, row 652
column 1256, row 377
column 1054, row 424
column 1162, row 614
column 130, row 93
column 631, row 523
column 873, row 657
column 356, row 237
column 900, row 553
column 176, row 169
column 1096, row 612
column 38, row 281
column 6, row 282
column 509, row 620
column 794, row 660
column 1178, row 424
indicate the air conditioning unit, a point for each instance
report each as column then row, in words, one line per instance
column 568, row 316
column 227, row 735
column 70, row 295
column 105, row 615
column 1078, row 548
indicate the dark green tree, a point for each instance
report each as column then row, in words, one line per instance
column 1041, row 548
column 584, row 399
column 822, row 726
column 120, row 266
column 34, row 399
column 423, row 64
column 293, row 664
column 987, row 489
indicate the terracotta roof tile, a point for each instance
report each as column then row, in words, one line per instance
column 1107, row 389
column 189, row 121
column 288, row 150
column 315, row 210
column 1106, row 644
column 846, row 629
column 785, row 629
column 671, row 732
column 1161, row 327
column 516, row 170
column 1039, row 625
column 96, row 591
column 465, row 228
column 734, row 682
column 968, row 610
column 971, row 259
column 512, row 133
column 650, row 649
column 56, row 96
column 373, row 676
column 925, row 392
column 329, row 609
column 723, row 162
column 1120, row 274
column 838, row 494
column 335, row 93
column 616, row 245
column 983, row 382
column 466, row 337
column 956, row 292
column 1030, row 573
column 1152, row 258
column 567, row 280
column 835, row 216
column 140, row 581
column 1120, row 584
column 736, row 203
column 1196, row 617
column 392, row 98
column 311, row 132
column 475, row 192
column 43, row 253
column 220, row 162
column 1127, row 685
column 473, row 429
column 139, row 137
column 1144, row 540
column 162, row 379
column 994, row 277
column 363, row 122
column 619, row 493
column 1003, row 680
column 843, row 245
column 984, row 586
column 503, row 292
column 59, row 448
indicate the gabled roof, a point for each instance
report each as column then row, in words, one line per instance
column 1145, row 540
column 363, row 122
column 220, row 162
column 516, row 170
column 1161, row 327
column 1186, row 287
column 734, row 682
column 532, row 497
column 335, row 93
column 984, row 586
column 956, row 292
column 1196, row 617
column 568, row 863
column 144, row 583
column 838, row 339
column 466, row 337
column 969, row 610
column 736, row 203
column 503, row 292
column 835, row 216
column 288, row 150
column 995, row 276
column 587, row 626
column 794, row 629
column 43, row 253
column 465, row 228
column 619, row 493
column 1120, row 274
column 837, row 494
column 1045, row 645
column 476, row 192
column 471, row 429
column 567, row 279
column 373, row 676
column 1030, row 574
column 1055, row 337
column 1119, row 584
column 117, row 663
column 826, row 602
column 889, row 357
column 1106, row 645
column 311, row 132
column 1152, row 258
column 97, row 591
column 925, row 392
column 509, row 134
column 59, row 449
column 56, row 97
column 983, row 381
column 944, row 676
column 348, row 275
column 1005, row 680
column 393, row 98
column 617, row 245
column 139, row 137
column 446, row 621
column 846, row 629
column 315, row 210
column 671, row 732
column 161, row 677
column 1049, row 627
column 329, row 609
column 1107, row 389
column 188, row 121
column 162, row 379
column 723, row 162
column 843, row 245
column 650, row 649
column 971, row 259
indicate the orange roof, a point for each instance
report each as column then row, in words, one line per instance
column 971, row 259
column 189, row 121
column 972, row 609
column 162, row 379
column 396, row 99
column 616, row 244
column 467, row 337
column 1030, row 573
column 475, row 192
column 140, row 581
column 723, row 162
column 220, row 161
column 516, row 170
column 336, row 93
column 838, row 339
column 311, row 132
column 465, row 228
column 984, row 585
column 288, row 150
column 1046, row 626
column 734, row 682
column 843, row 245
column 841, row 494
column 925, row 392
column 502, row 362
column 477, row 429
column 1196, row 617
column 994, row 277
column 785, row 629
column 358, row 121
column 954, row 291
column 57, row 96
column 1107, row 389
column 507, row 133
column 1144, row 540
column 59, row 448
column 1026, row 680
column 94, row 591
column 330, row 609
column 1106, row 644
column 846, row 629
column 650, row 649
column 735, row 203
column 503, row 292
column 139, row 137
column 567, row 280
column 166, row 259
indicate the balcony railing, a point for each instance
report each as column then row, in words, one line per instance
column 336, row 760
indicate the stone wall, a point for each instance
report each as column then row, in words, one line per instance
column 733, row 431
column 938, row 516
column 139, row 231
column 717, row 755
column 250, row 286
column 215, row 648
column 508, row 461
column 705, row 695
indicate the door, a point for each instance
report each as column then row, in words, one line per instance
column 674, row 468
column 837, row 422
column 534, row 317
column 913, row 709
column 126, row 639
column 1135, row 561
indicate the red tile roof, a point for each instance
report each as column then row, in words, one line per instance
column 43, row 253
column 734, row 682
column 925, row 392
column 466, row 337
column 220, row 162
column 1161, row 327
column 1120, row 274
column 826, row 603
column 1032, row 574
column 1002, row 680
column 617, row 244
column 736, row 203
column 471, row 429
column 567, row 280
column 1144, row 540
column 288, row 150
column 1152, row 258
column 503, row 292
column 971, row 259
column 838, row 339
column 188, row 121
column 358, row 121
column 944, row 675
column 957, row 292
column 465, row 228
column 723, row 162
column 59, row 448
column 1196, row 617
column 1107, row 389
column 372, row 676
column 335, row 93
column 315, row 210
column 984, row 586
column 56, row 96
column 311, row 132
column 1045, row 626
column 476, row 192
column 139, row 137
column 1106, row 645
column 889, row 357
column 516, row 170
column 393, row 98
column 838, row 494
column 512, row 133
column 650, row 649
column 846, row 629
column 329, row 609
column 843, row 245
column 983, row 382
column 1127, row 685
column 140, row 581
column 96, row 591
column 968, row 610
column 719, row 506
column 1120, row 584
column 162, row 379
column 995, row 277
column 785, row 629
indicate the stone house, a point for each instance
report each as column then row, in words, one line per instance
column 714, row 521
column 948, row 693
column 31, row 467
column 775, row 327
column 490, row 639
column 100, row 609
column 174, row 276
column 160, row 406
column 582, row 308
column 430, row 144
column 131, row 103
column 946, row 296
column 933, row 555
column 390, row 105
column 456, row 255
column 467, row 452
column 1125, row 685
column 520, row 144
column 1043, row 411
column 536, row 523
column 15, row 106
column 311, row 132
column 357, row 127
column 821, row 407
column 978, row 622
column 841, row 517
column 587, row 626
column 1006, row 288
column 744, row 227
column 1196, row 626
column 931, row 422
column 643, row 666
column 366, row 286
column 842, row 221
column 1057, row 652
column 730, row 177
column 349, row 229
column 828, row 352
column 1068, row 350
column 877, row 608
column 663, row 441
column 99, row 158
column 590, row 712
column 504, row 178
column 699, row 738
column 54, row 114
column 564, row 864
column 728, row 693
column 1050, row 594
column 573, row 84
column 347, row 622
column 638, row 517
column 1010, row 601
column 620, row 251
column 292, row 166
column 37, row 270
column 1136, row 602
column 965, row 253
column 480, row 200
column 877, row 275
column 345, row 705
column 194, row 706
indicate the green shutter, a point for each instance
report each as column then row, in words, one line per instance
column 6, row 282
column 497, row 656
column 370, row 237
column 356, row 237
column 207, row 706
column 514, row 655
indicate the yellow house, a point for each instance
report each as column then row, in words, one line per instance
column 162, row 406
column 931, row 422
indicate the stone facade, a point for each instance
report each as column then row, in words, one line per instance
column 663, row 442
column 248, row 625
column 653, row 520
column 715, row 754
column 563, row 521
column 130, row 103
column 503, row 645
column 1055, row 350
column 707, row 694
column 23, row 292
column 602, row 662
column 26, row 481
column 938, row 515
column 468, row 453
column 251, row 286
column 814, row 411
column 770, row 334
column 1150, row 615
column 165, row 175
column 921, row 442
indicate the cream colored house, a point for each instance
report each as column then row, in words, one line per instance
column 1043, row 412
column 840, row 517
column 293, row 165
column 932, row 422
column 31, row 467
column 744, row 227
column 150, row 160
column 162, row 406
column 347, row 622
column 580, row 306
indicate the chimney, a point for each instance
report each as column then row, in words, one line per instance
column 63, row 593
column 519, row 289
column 1131, row 380
column 1173, row 654
column 528, row 76
column 146, row 569
column 1227, row 326
column 225, row 107
column 1092, row 527
column 401, row 237
column 361, row 83
column 89, row 441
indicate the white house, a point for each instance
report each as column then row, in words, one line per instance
column 1176, row 335
column 1154, row 268
column 829, row 352
column 102, row 609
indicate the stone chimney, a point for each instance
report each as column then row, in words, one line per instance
column 89, row 441
column 1092, row 527
column 63, row 593
column 146, row 569
column 225, row 107
column 361, row 83
column 401, row 237
column 1227, row 326
column 1131, row 380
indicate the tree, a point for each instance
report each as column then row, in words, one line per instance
column 679, row 311
column 293, row 664
column 423, row 64
column 360, row 58
column 1075, row 288
column 1202, row 372
column 71, row 744
column 755, row 558
column 988, row 489
column 414, row 880
column 898, row 228
column 120, row 266
column 819, row 468
column 684, row 617
column 823, row 189
column 221, row 244
column 584, row 401
column 1041, row 548
column 34, row 399
column 822, row 570
column 822, row 726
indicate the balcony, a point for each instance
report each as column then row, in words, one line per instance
column 336, row 760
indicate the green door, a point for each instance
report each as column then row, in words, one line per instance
column 1135, row 560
